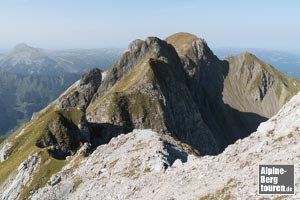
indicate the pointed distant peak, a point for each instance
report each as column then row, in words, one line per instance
column 245, row 56
column 248, row 56
column 23, row 47
column 249, row 60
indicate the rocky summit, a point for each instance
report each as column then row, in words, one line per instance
column 154, row 126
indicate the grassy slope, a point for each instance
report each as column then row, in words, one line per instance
column 125, row 83
column 139, row 104
column 284, row 85
column 24, row 145
column 179, row 39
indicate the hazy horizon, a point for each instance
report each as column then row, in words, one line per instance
column 237, row 50
column 80, row 24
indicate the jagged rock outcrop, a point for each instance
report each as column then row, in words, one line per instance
column 4, row 151
column 54, row 180
column 15, row 185
column 61, row 136
column 83, row 94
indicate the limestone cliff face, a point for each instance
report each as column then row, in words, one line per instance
column 254, row 86
column 235, row 95
column 81, row 96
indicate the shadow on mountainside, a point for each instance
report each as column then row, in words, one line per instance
column 227, row 124
column 102, row 133
column 194, row 94
column 189, row 103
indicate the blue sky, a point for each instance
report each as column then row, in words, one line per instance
column 95, row 23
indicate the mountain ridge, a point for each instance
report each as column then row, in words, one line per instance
column 184, row 97
column 284, row 60
column 24, row 59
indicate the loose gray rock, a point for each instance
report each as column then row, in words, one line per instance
column 4, row 151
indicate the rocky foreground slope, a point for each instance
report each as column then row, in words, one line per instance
column 147, row 165
column 195, row 104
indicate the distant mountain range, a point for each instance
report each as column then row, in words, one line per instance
column 31, row 77
column 22, row 95
column 284, row 61
column 24, row 59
